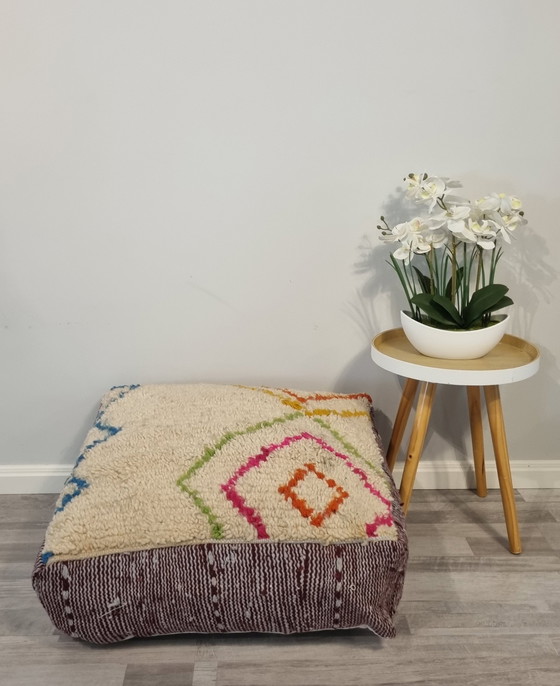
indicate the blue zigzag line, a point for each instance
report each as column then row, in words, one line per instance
column 109, row 430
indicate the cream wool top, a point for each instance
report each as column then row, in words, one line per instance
column 169, row 465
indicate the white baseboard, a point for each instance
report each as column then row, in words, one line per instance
column 33, row 478
column 49, row 478
column 434, row 474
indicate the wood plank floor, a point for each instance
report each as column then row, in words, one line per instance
column 472, row 614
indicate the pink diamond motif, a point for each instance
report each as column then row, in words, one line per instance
column 254, row 518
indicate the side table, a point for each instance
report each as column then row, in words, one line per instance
column 513, row 359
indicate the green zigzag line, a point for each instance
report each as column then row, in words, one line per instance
column 216, row 528
column 209, row 452
column 349, row 447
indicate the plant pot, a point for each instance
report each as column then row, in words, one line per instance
column 455, row 344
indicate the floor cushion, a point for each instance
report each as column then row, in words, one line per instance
column 208, row 508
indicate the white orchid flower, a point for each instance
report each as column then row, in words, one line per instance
column 412, row 236
column 471, row 231
column 420, row 245
column 456, row 200
column 398, row 234
column 403, row 254
column 414, row 185
column 416, row 246
column 437, row 237
column 479, row 232
column 458, row 211
column 504, row 225
column 401, row 232
column 426, row 233
column 500, row 202
column 419, row 224
column 394, row 235
column 455, row 214
column 513, row 221
column 473, row 228
column 435, row 232
column 509, row 224
column 430, row 189
column 457, row 226
column 493, row 218
column 426, row 189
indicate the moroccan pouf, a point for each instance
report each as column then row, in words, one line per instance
column 205, row 508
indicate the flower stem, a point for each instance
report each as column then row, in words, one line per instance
column 430, row 260
column 479, row 267
column 466, row 278
column 453, row 269
column 443, row 271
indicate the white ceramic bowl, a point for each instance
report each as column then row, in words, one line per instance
column 453, row 345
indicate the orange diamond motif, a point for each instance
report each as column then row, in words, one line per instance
column 315, row 518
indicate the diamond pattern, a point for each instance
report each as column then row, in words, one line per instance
column 302, row 505
column 245, row 489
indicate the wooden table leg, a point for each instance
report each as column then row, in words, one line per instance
column 498, row 431
column 477, row 436
column 407, row 398
column 417, row 437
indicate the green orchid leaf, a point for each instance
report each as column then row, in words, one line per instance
column 426, row 284
column 449, row 307
column 482, row 301
column 397, row 267
column 504, row 302
column 434, row 311
column 489, row 291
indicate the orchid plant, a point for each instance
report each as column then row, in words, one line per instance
column 446, row 259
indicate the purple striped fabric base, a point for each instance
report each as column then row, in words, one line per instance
column 226, row 587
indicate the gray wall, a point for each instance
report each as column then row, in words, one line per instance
column 190, row 192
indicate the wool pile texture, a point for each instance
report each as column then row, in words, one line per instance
column 207, row 508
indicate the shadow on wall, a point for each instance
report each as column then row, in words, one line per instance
column 362, row 375
column 525, row 268
column 381, row 289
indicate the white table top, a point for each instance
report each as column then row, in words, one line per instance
column 513, row 359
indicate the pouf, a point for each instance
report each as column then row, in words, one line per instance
column 208, row 508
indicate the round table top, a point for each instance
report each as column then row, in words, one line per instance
column 513, row 359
